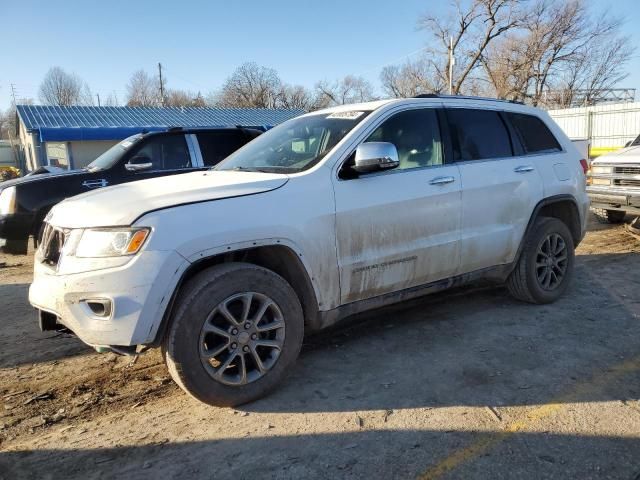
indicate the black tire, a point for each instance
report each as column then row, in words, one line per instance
column 16, row 247
column 524, row 283
column 197, row 299
column 609, row 216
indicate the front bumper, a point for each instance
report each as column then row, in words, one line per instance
column 16, row 226
column 612, row 198
column 139, row 293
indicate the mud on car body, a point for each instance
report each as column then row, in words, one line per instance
column 326, row 215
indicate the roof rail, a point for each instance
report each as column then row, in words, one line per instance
column 467, row 97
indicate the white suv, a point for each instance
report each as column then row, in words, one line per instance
column 326, row 215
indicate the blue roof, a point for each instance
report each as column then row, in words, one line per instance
column 116, row 119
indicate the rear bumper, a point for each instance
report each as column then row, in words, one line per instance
column 614, row 198
column 15, row 226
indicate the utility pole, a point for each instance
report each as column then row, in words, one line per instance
column 452, row 61
column 11, row 142
column 13, row 94
column 161, row 85
column 98, row 96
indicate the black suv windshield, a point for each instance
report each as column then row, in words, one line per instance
column 295, row 145
column 109, row 158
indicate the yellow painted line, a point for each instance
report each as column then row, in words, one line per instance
column 529, row 420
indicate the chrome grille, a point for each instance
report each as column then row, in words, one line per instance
column 627, row 182
column 628, row 170
column 51, row 244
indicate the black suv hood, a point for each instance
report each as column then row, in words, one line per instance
column 37, row 177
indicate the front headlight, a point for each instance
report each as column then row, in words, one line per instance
column 596, row 170
column 106, row 242
column 8, row 201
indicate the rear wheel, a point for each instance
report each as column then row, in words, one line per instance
column 236, row 332
column 609, row 216
column 545, row 266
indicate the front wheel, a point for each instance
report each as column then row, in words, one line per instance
column 235, row 334
column 545, row 266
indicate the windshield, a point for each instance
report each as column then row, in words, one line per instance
column 295, row 145
column 111, row 156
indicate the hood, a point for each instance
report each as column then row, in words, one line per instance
column 123, row 204
column 624, row 155
column 40, row 174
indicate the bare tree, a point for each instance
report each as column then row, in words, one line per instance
column 63, row 89
column 296, row 96
column 183, row 98
column 143, row 90
column 410, row 79
column 350, row 89
column 198, row 101
column 111, row 100
column 560, row 50
column 7, row 123
column 471, row 29
column 250, row 86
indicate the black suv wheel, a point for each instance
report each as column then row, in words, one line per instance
column 545, row 266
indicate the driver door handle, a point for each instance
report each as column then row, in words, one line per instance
column 523, row 169
column 442, row 180
column 95, row 183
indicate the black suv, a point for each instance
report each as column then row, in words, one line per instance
column 24, row 202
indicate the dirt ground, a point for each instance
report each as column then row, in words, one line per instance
column 465, row 384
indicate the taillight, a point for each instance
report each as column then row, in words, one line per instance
column 585, row 166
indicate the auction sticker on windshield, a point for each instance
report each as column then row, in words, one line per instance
column 346, row 115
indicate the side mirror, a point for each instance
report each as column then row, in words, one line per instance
column 375, row 156
column 628, row 144
column 137, row 164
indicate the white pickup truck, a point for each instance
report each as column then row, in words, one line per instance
column 329, row 214
column 614, row 184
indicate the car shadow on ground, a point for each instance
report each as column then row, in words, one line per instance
column 372, row 454
column 466, row 347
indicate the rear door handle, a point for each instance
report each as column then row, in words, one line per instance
column 442, row 180
column 523, row 169
column 95, row 183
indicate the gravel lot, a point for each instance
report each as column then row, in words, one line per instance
column 466, row 384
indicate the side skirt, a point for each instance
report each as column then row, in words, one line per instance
column 330, row 317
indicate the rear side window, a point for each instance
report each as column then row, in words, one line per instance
column 478, row 134
column 534, row 135
column 216, row 146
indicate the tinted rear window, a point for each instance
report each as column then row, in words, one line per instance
column 478, row 134
column 215, row 146
column 533, row 133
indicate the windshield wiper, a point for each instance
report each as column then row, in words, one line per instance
column 247, row 169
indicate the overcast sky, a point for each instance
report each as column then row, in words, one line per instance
column 200, row 43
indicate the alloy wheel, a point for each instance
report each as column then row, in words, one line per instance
column 242, row 338
column 551, row 261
